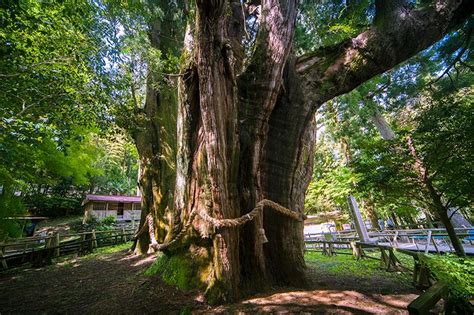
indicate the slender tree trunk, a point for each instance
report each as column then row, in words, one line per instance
column 370, row 210
column 440, row 209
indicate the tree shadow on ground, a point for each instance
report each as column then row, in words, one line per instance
column 115, row 283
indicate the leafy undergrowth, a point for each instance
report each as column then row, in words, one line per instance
column 457, row 273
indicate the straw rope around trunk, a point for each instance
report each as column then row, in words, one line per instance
column 230, row 223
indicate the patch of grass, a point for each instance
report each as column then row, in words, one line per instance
column 347, row 266
column 109, row 250
column 174, row 270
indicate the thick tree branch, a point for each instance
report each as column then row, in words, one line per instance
column 333, row 71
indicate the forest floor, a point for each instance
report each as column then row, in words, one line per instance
column 112, row 281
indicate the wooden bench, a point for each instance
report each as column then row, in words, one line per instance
column 428, row 299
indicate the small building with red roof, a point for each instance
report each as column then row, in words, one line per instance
column 123, row 208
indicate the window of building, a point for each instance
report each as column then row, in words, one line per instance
column 98, row 206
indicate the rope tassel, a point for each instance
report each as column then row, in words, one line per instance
column 262, row 236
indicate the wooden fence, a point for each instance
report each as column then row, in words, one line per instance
column 432, row 240
column 422, row 277
column 40, row 250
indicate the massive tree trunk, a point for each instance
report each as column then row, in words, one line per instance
column 246, row 133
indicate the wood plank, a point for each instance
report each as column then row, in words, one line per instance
column 428, row 299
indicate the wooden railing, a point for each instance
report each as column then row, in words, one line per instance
column 427, row 300
column 432, row 240
column 422, row 277
column 40, row 250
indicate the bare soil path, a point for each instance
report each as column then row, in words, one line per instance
column 114, row 283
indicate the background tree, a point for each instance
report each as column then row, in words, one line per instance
column 56, row 92
column 387, row 170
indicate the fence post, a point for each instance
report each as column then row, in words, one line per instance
column 124, row 237
column 4, row 261
column 421, row 274
column 332, row 251
column 355, row 250
column 90, row 244
column 384, row 260
column 81, row 244
column 57, row 250
column 94, row 239
column 434, row 244
column 393, row 260
column 24, row 252
column 324, row 249
column 428, row 240
column 46, row 255
column 395, row 242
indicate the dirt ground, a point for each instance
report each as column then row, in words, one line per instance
column 115, row 284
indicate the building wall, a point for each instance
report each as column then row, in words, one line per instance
column 101, row 210
column 127, row 214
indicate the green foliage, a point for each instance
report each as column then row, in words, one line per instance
column 110, row 220
column 117, row 158
column 106, row 224
column 325, row 23
column 50, row 69
column 457, row 273
column 445, row 137
column 329, row 191
column 10, row 206
column 54, row 89
column 70, row 74
column 436, row 112
column 53, row 206
column 175, row 270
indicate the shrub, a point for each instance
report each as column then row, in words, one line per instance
column 456, row 273
column 108, row 223
column 110, row 220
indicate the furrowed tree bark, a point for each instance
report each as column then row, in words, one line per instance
column 259, row 88
column 218, row 108
column 156, row 145
column 246, row 132
column 285, row 176
column 154, row 134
